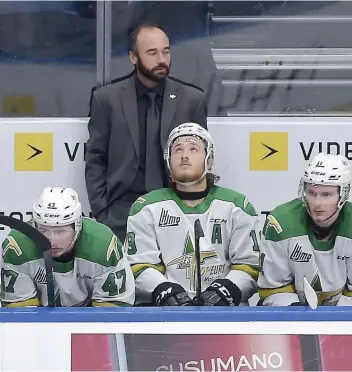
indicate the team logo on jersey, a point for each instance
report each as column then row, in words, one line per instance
column 298, row 255
column 274, row 223
column 268, row 151
column 166, row 220
column 40, row 276
column 188, row 261
column 245, row 203
column 112, row 249
column 12, row 244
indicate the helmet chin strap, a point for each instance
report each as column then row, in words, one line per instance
column 328, row 222
column 70, row 246
column 77, row 233
column 68, row 254
column 191, row 183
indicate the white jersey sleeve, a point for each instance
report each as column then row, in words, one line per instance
column 17, row 286
column 244, row 250
column 346, row 298
column 275, row 281
column 18, row 289
column 116, row 285
column 143, row 252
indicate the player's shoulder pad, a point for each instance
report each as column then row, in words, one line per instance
column 17, row 249
column 232, row 196
column 186, row 83
column 97, row 243
column 152, row 197
column 346, row 221
column 286, row 221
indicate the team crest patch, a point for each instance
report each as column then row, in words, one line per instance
column 245, row 203
column 12, row 244
column 140, row 200
column 273, row 222
column 112, row 249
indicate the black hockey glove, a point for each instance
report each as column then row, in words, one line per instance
column 222, row 292
column 297, row 304
column 170, row 294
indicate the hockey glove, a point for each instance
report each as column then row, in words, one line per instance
column 297, row 304
column 170, row 294
column 222, row 292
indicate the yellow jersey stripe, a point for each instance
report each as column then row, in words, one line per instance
column 137, row 269
column 30, row 302
column 347, row 292
column 266, row 292
column 109, row 304
column 252, row 271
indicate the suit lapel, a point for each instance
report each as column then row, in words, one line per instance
column 129, row 107
column 170, row 103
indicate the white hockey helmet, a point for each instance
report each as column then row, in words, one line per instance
column 58, row 206
column 328, row 170
column 191, row 129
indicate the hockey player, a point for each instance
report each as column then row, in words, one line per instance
column 310, row 237
column 89, row 266
column 160, row 238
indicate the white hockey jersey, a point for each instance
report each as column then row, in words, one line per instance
column 290, row 251
column 160, row 241
column 97, row 275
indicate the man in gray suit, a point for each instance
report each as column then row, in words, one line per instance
column 129, row 126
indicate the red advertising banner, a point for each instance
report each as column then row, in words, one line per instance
column 215, row 353
column 91, row 352
column 190, row 353
column 336, row 352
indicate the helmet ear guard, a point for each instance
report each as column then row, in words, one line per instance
column 209, row 165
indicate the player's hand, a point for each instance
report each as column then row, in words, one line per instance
column 170, row 294
column 222, row 292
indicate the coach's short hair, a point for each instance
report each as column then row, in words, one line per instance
column 134, row 32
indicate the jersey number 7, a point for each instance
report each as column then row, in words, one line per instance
column 253, row 235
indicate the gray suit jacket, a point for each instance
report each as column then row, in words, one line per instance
column 112, row 158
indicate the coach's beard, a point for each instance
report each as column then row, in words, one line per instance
column 150, row 73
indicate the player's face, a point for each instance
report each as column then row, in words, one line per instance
column 152, row 57
column 61, row 238
column 187, row 159
column 322, row 201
